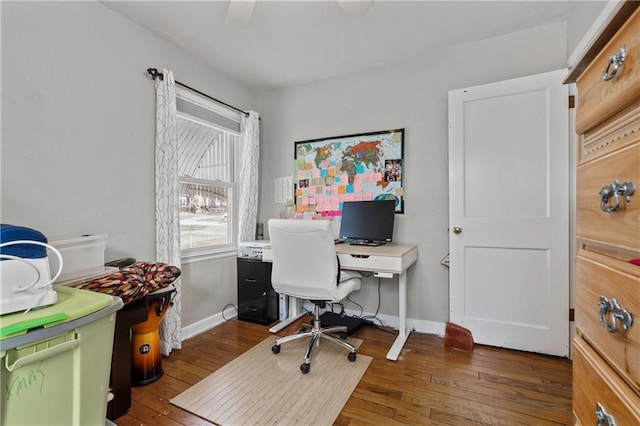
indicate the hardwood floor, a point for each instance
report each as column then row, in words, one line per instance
column 429, row 385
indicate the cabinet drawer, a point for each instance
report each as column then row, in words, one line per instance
column 595, row 383
column 596, row 276
column 620, row 227
column 251, row 272
column 598, row 99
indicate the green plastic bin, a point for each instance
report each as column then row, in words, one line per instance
column 55, row 361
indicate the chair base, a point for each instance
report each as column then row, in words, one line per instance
column 316, row 332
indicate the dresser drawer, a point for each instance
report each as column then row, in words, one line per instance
column 620, row 227
column 595, row 383
column 596, row 276
column 599, row 99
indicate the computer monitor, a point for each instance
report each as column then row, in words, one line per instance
column 367, row 222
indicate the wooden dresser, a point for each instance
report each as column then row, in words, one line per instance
column 606, row 347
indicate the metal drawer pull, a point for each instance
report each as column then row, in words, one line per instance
column 602, row 416
column 615, row 190
column 612, row 306
column 615, row 62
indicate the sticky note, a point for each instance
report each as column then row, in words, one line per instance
column 349, row 189
column 360, row 168
column 331, row 172
column 312, row 190
column 323, row 172
column 315, row 173
column 342, row 189
column 298, row 192
column 308, row 166
column 378, row 177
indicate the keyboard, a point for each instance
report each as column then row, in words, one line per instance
column 365, row 243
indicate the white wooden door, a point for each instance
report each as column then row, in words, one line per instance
column 509, row 212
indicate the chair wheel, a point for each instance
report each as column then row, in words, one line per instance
column 275, row 349
column 305, row 368
column 351, row 356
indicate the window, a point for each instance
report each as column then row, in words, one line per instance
column 207, row 140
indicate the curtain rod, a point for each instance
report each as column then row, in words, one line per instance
column 154, row 73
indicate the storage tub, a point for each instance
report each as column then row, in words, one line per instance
column 58, row 373
column 83, row 258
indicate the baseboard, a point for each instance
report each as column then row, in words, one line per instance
column 421, row 326
column 204, row 325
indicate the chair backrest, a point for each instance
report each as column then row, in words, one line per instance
column 304, row 258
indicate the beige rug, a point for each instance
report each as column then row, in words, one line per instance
column 262, row 388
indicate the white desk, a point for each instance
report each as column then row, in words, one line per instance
column 386, row 261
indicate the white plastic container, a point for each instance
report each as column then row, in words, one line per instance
column 83, row 258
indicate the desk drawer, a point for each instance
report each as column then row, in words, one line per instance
column 622, row 226
column 595, row 383
column 597, row 276
column 370, row 263
column 598, row 99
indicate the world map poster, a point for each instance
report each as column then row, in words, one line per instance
column 363, row 167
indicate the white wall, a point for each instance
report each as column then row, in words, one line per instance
column 78, row 125
column 78, row 131
column 410, row 94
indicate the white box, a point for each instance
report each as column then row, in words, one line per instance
column 252, row 248
column 283, row 306
column 81, row 257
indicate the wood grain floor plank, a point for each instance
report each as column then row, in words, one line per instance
column 429, row 385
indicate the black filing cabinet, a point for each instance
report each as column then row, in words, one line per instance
column 257, row 302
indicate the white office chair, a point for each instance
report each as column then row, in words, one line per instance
column 305, row 266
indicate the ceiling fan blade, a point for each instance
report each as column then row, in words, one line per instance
column 355, row 8
column 239, row 13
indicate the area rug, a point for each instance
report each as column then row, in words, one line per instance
column 262, row 388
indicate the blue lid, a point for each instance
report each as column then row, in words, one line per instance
column 10, row 233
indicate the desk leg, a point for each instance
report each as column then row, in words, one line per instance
column 295, row 312
column 403, row 331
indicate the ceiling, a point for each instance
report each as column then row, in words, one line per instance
column 288, row 43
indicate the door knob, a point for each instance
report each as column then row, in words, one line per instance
column 457, row 230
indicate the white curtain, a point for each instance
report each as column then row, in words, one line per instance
column 167, row 207
column 248, row 177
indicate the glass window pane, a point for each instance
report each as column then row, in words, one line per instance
column 204, row 215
